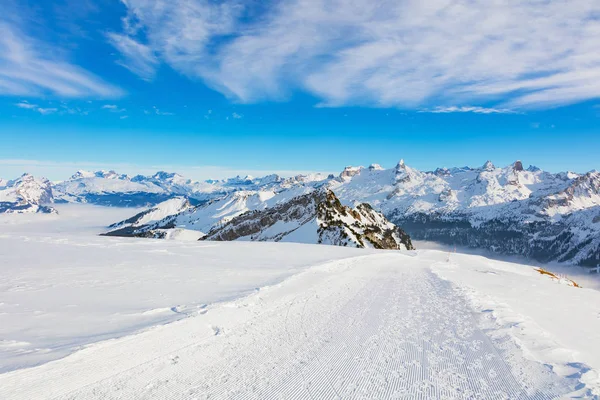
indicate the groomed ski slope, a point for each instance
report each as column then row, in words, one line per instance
column 379, row 326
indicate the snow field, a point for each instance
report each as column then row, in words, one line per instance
column 63, row 287
column 375, row 326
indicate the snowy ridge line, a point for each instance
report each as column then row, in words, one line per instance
column 133, row 338
column 535, row 343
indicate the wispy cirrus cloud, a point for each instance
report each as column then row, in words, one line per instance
column 468, row 109
column 113, row 108
column 137, row 57
column 408, row 53
column 42, row 110
column 29, row 67
column 159, row 112
column 52, row 108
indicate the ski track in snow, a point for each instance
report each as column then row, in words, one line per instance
column 379, row 326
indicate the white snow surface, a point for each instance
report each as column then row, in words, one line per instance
column 145, row 319
column 203, row 218
column 62, row 286
column 156, row 213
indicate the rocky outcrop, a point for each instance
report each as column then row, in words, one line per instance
column 349, row 172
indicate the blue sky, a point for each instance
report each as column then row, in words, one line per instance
column 212, row 89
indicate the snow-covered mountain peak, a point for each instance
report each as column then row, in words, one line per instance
column 167, row 176
column 518, row 165
column 109, row 175
column 315, row 217
column 269, row 180
column 442, row 172
column 28, row 189
column 488, row 166
column 375, row 167
column 405, row 174
column 350, row 171
column 26, row 194
column 582, row 193
column 82, row 174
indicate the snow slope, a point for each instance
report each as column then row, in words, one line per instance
column 379, row 325
column 134, row 226
column 217, row 212
column 63, row 287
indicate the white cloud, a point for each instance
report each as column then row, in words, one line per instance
column 237, row 116
column 28, row 106
column 29, row 67
column 159, row 112
column 124, row 117
column 46, row 111
column 469, row 109
column 113, row 108
column 137, row 57
column 410, row 53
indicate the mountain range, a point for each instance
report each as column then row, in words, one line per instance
column 511, row 210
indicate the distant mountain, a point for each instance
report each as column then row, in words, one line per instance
column 202, row 218
column 315, row 217
column 509, row 210
column 109, row 188
column 26, row 194
column 305, row 216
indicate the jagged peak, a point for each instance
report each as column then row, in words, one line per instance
column 25, row 177
column 267, row 179
column 403, row 173
column 320, row 210
column 375, row 167
column 350, row 171
column 518, row 165
column 166, row 175
column 82, row 174
column 488, row 166
column 442, row 172
column 111, row 174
